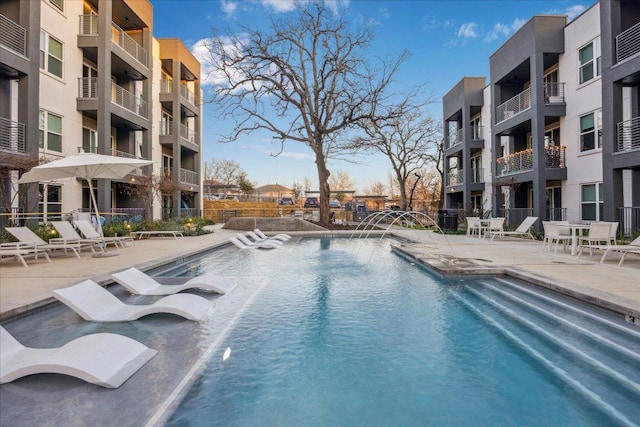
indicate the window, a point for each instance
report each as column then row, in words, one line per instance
column 58, row 3
column 50, row 198
column 552, row 137
column 50, row 54
column 591, row 202
column 89, row 140
column 589, row 61
column 476, row 128
column 50, row 136
column 591, row 131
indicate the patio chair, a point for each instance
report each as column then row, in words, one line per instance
column 87, row 230
column 496, row 225
column 258, row 239
column 613, row 238
column 19, row 251
column 523, row 230
column 633, row 247
column 474, row 226
column 140, row 283
column 105, row 359
column 68, row 234
column 96, row 304
column 26, row 236
column 552, row 234
column 261, row 245
column 280, row 236
column 599, row 233
column 241, row 245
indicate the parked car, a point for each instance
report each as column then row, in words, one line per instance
column 211, row 197
column 231, row 197
column 286, row 201
column 312, row 202
column 334, row 204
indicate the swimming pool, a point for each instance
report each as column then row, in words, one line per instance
column 328, row 331
column 347, row 333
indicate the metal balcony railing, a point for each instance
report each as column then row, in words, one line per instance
column 628, row 43
column 12, row 136
column 188, row 134
column 477, row 175
column 522, row 161
column 89, row 27
column 166, row 128
column 13, row 36
column 513, row 106
column 454, row 138
column 455, row 177
column 477, row 133
column 554, row 93
column 189, row 177
column 167, row 172
column 187, row 94
column 166, row 85
column 128, row 100
column 629, row 218
column 629, row 135
column 88, row 87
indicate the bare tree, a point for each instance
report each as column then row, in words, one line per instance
column 13, row 165
column 376, row 189
column 306, row 80
column 225, row 172
column 340, row 182
column 149, row 188
column 409, row 141
column 296, row 190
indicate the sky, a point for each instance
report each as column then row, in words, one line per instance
column 447, row 40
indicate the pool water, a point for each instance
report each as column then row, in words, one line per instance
column 349, row 333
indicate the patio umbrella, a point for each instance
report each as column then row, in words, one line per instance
column 88, row 166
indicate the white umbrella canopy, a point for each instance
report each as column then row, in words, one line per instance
column 84, row 165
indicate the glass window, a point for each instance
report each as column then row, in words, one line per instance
column 591, row 202
column 591, row 131
column 50, row 54
column 58, row 3
column 89, row 140
column 50, row 135
column 589, row 61
column 50, row 199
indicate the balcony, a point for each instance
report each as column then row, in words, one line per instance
column 513, row 106
column 554, row 93
column 629, row 135
column 166, row 85
column 522, row 161
column 88, row 87
column 455, row 178
column 189, row 177
column 187, row 94
column 12, row 138
column 628, row 43
column 477, row 133
column 477, row 175
column 188, row 134
column 13, row 36
column 128, row 100
column 453, row 139
column 89, row 27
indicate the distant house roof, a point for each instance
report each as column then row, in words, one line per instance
column 272, row 188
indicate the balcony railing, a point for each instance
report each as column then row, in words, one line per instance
column 628, row 43
column 629, row 135
column 513, row 106
column 13, row 35
column 12, row 136
column 167, row 172
column 629, row 218
column 477, row 175
column 554, row 93
column 455, row 177
column 454, row 138
column 128, row 100
column 477, row 133
column 188, row 134
column 187, row 94
column 89, row 27
column 88, row 87
column 166, row 85
column 189, row 177
column 522, row 161
column 166, row 128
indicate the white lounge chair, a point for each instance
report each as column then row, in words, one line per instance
column 258, row 239
column 633, row 247
column 599, row 235
column 140, row 283
column 27, row 236
column 552, row 234
column 523, row 230
column 280, row 236
column 107, row 360
column 68, row 234
column 261, row 245
column 241, row 245
column 87, row 230
column 94, row 303
column 19, row 251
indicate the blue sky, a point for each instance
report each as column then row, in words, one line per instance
column 447, row 40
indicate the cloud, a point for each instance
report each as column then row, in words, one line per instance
column 468, row 30
column 279, row 5
column 574, row 11
column 228, row 7
column 296, row 155
column 428, row 23
column 203, row 53
column 504, row 30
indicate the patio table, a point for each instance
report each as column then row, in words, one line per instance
column 574, row 230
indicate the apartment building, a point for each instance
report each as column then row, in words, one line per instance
column 559, row 137
column 88, row 76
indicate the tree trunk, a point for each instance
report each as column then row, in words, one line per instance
column 323, row 183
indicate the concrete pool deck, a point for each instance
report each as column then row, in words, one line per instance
column 23, row 289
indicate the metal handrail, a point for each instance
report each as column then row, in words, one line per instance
column 629, row 134
column 522, row 161
column 88, row 87
column 554, row 93
column 166, row 128
column 477, row 175
column 128, row 100
column 513, row 106
column 628, row 43
column 12, row 136
column 188, row 134
column 188, row 176
column 454, row 138
column 89, row 27
column 455, row 177
column 187, row 94
column 166, row 84
column 13, row 35
column 477, row 133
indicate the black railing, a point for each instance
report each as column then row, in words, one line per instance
column 629, row 219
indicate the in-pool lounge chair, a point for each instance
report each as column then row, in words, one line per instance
column 258, row 239
column 140, row 283
column 96, row 304
column 259, row 245
column 87, row 230
column 27, row 236
column 523, row 230
column 281, row 236
column 107, row 360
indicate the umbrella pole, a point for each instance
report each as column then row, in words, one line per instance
column 95, row 207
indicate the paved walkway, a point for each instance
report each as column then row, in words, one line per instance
column 22, row 289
